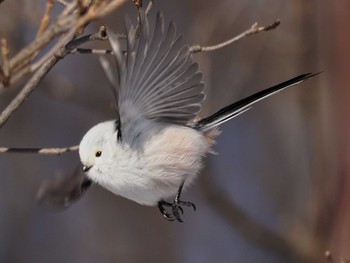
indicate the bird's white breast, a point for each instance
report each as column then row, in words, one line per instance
column 155, row 171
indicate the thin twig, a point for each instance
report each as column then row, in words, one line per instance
column 63, row 2
column 40, row 42
column 254, row 29
column 91, row 51
column 46, row 151
column 45, row 21
column 68, row 10
column 31, row 85
column 100, row 35
column 149, row 7
column 138, row 3
column 69, row 36
column 5, row 62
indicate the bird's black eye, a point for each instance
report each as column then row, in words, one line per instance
column 98, row 153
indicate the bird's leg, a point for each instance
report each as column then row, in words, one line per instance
column 176, row 206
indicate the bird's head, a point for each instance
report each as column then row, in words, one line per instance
column 96, row 147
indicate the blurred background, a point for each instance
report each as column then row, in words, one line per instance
column 276, row 192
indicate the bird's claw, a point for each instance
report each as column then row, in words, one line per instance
column 176, row 208
column 168, row 216
column 188, row 204
column 163, row 211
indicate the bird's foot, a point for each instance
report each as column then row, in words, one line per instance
column 176, row 209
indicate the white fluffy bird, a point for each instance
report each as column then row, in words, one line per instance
column 155, row 147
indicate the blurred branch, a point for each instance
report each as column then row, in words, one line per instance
column 46, row 151
column 149, row 7
column 73, row 46
column 63, row 2
column 71, row 22
column 251, row 228
column 138, row 3
column 254, row 29
column 45, row 21
column 5, row 69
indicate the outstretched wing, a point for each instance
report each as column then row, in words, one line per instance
column 157, row 78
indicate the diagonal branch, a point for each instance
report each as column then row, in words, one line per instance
column 5, row 68
column 45, row 21
column 55, row 54
column 70, row 23
column 27, row 89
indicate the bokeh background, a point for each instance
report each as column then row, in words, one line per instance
column 279, row 187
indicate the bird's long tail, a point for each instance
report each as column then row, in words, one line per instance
column 245, row 104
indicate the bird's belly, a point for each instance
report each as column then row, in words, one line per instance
column 167, row 160
column 151, row 183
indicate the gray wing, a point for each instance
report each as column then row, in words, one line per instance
column 157, row 78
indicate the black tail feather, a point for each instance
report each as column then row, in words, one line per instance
column 245, row 104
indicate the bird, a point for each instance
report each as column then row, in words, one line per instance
column 156, row 145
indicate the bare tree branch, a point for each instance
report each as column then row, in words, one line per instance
column 138, row 3
column 254, row 29
column 46, row 151
column 5, row 69
column 100, row 35
column 45, row 21
column 149, row 7
column 62, row 2
column 100, row 8
column 70, row 22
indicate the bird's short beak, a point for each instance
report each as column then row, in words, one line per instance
column 86, row 168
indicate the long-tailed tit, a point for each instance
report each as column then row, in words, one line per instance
column 156, row 145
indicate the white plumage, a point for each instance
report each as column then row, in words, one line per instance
column 149, row 173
